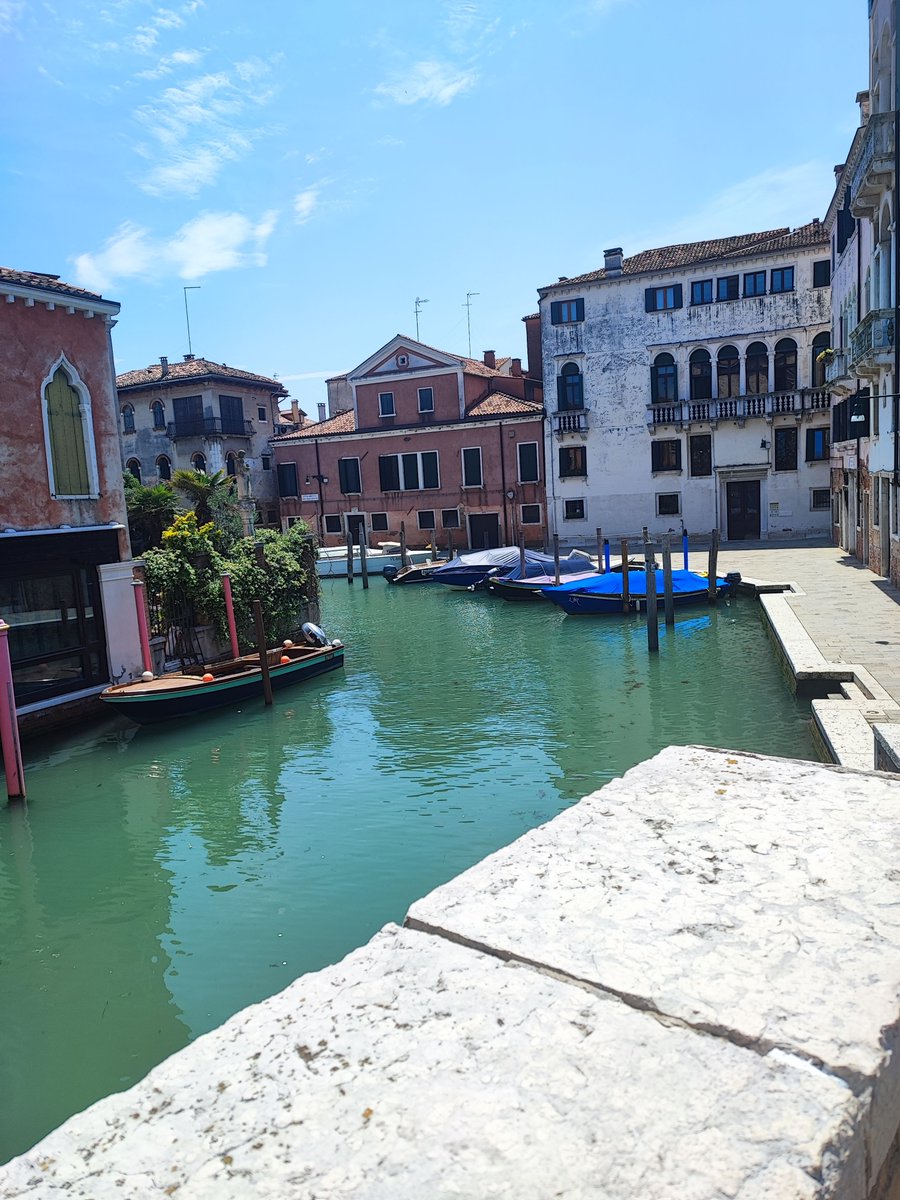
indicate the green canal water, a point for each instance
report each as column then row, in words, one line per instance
column 158, row 880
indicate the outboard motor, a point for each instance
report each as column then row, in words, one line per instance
column 313, row 634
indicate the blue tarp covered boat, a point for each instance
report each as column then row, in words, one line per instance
column 603, row 593
column 472, row 568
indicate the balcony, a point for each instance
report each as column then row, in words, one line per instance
column 872, row 175
column 207, row 427
column 573, row 420
column 872, row 342
column 740, row 408
column 837, row 372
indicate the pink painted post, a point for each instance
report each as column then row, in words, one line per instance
column 143, row 631
column 9, row 726
column 229, row 611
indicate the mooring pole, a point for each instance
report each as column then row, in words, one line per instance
column 404, row 557
column 229, row 613
column 652, row 621
column 140, row 607
column 9, row 725
column 606, row 556
column 362, row 562
column 684, row 548
column 349, row 557
column 667, row 580
column 556, row 557
column 263, row 651
column 713, row 555
column 626, row 598
column 521, row 555
column 433, row 547
column 599, row 550
column 449, row 544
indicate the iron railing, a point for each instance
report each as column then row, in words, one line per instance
column 193, row 427
column 739, row 408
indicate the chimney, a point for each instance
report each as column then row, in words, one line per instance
column 321, row 411
column 490, row 359
column 862, row 99
column 295, row 411
column 612, row 261
column 515, row 367
column 188, row 358
column 164, row 364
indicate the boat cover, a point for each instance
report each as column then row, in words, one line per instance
column 506, row 560
column 610, row 584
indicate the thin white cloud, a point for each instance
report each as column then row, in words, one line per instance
column 168, row 63
column 10, row 13
column 428, row 82
column 207, row 243
column 305, row 203
column 308, row 375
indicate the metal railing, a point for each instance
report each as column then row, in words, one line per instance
column 837, row 367
column 739, row 408
column 193, row 427
column 874, row 334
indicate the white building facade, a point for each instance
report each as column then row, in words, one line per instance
column 686, row 392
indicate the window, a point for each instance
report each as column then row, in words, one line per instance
column 198, row 462
column 728, row 372
column 158, row 413
column 231, row 410
column 287, row 482
column 386, row 404
column 349, row 476
column 782, row 279
column 403, row 472
column 757, row 369
column 659, row 299
column 573, row 510
column 127, row 418
column 271, row 516
column 785, row 365
column 332, row 521
column 426, row 518
column 450, row 518
column 261, row 415
column 702, row 291
column 531, row 514
column 572, row 461
column 379, row 522
column 570, row 388
column 426, row 400
column 668, row 504
column 471, row 468
column 529, row 471
column 230, row 463
column 821, row 342
column 820, row 498
column 818, row 444
column 786, row 449
column 665, row 454
column 700, row 445
column 267, row 462
column 822, row 272
column 163, row 467
column 664, row 380
column 727, row 287
column 701, row 375
column 133, row 467
column 566, row 312
column 755, row 283
column 846, row 225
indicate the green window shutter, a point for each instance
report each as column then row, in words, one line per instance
column 679, row 297
column 649, row 299
column 389, row 472
column 430, row 469
column 554, row 312
column 67, row 446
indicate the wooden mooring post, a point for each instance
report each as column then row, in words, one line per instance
column 449, row 544
column 626, row 598
column 349, row 557
column 684, row 547
column 667, row 580
column 556, row 557
column 263, row 651
column 363, row 566
column 521, row 555
column 713, row 556
column 600, row 551
column 9, row 724
column 652, row 616
column 606, row 555
column 404, row 557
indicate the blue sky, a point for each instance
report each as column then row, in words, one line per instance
column 315, row 167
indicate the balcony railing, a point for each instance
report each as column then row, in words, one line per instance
column 837, row 367
column 872, row 174
column 573, row 420
column 872, row 341
column 739, row 408
column 194, row 427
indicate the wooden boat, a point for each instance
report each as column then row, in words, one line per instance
column 414, row 572
column 183, row 694
column 604, row 593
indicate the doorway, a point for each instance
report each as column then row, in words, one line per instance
column 484, row 531
column 356, row 528
column 742, row 500
column 885, row 518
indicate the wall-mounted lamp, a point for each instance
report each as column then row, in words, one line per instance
column 321, row 478
column 763, row 445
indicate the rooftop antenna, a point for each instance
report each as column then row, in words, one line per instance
column 468, row 307
column 419, row 304
column 191, row 288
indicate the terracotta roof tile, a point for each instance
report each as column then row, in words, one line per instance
column 47, row 283
column 498, row 404
column 195, row 368
column 341, row 422
column 744, row 245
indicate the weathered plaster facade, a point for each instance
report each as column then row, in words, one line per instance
column 706, row 350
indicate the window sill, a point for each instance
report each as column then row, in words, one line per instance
column 668, row 472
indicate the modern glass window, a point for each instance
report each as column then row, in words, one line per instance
column 661, row 299
column 573, row 510
column 820, row 498
column 426, row 400
column 163, row 467
column 702, row 291
column 566, row 312
column 572, row 461
column 782, row 279
column 349, row 476
column 333, row 523
column 668, row 504
column 529, row 468
column 785, row 365
column 426, row 518
column 450, row 518
column 198, row 462
column 261, row 415
column 133, row 467
column 755, row 283
column 158, row 412
column 818, row 444
column 728, row 372
column 700, row 446
column 822, row 272
column 701, row 375
column 287, row 480
column 408, row 472
column 471, row 467
column 664, row 380
column 127, row 418
column 379, row 522
column 757, row 369
column 530, row 514
column 665, row 454
column 386, row 404
column 786, row 449
column 266, row 460
column 570, row 388
column 727, row 287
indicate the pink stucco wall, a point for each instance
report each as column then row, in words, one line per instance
column 406, row 400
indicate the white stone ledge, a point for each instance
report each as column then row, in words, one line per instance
column 846, row 732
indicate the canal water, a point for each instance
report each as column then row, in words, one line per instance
column 158, row 880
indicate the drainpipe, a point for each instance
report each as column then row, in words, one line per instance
column 320, row 505
column 506, row 526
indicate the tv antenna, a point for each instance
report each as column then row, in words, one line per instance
column 191, row 288
column 419, row 304
column 468, row 307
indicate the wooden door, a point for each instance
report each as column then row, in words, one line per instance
column 484, row 531
column 743, row 510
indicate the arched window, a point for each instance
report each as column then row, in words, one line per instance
column 664, row 380
column 69, row 434
column 133, row 467
column 701, row 375
column 163, row 467
column 231, row 463
column 821, row 342
column 570, row 388
column 757, row 369
column 198, row 462
column 728, row 372
column 159, row 414
column 786, row 365
column 127, row 418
